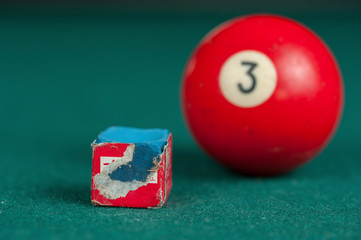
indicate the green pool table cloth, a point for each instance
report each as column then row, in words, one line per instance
column 67, row 76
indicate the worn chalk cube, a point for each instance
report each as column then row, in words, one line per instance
column 132, row 167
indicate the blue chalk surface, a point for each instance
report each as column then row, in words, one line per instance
column 133, row 135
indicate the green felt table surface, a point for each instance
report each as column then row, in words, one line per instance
column 64, row 77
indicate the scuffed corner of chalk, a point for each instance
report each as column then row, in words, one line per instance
column 162, row 195
column 94, row 144
column 161, row 198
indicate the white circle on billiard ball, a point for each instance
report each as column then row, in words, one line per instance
column 248, row 78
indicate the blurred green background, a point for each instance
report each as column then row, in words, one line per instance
column 70, row 69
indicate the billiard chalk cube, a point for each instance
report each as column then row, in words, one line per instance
column 132, row 167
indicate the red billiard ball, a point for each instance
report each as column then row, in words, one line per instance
column 262, row 94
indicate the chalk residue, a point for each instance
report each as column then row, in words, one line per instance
column 113, row 189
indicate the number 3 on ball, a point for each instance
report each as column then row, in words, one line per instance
column 248, row 78
column 249, row 72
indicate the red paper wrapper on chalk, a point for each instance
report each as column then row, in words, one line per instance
column 132, row 167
